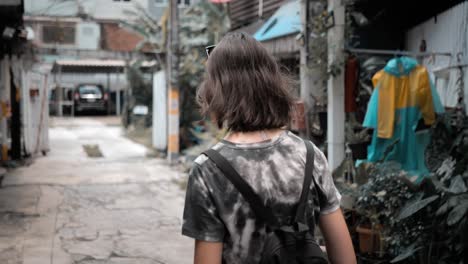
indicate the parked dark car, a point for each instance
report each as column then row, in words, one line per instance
column 90, row 97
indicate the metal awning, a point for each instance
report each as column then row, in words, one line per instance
column 284, row 47
column 285, row 21
column 10, row 3
column 93, row 65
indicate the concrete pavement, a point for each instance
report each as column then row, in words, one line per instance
column 69, row 208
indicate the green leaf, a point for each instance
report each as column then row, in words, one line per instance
column 457, row 185
column 439, row 185
column 443, row 209
column 457, row 213
column 406, row 254
column 413, row 207
column 453, row 201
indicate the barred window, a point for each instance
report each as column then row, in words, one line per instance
column 58, row 34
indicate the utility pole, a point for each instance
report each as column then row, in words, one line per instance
column 305, row 89
column 173, row 94
column 311, row 76
column 336, row 112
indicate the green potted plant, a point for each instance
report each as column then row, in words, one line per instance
column 379, row 200
column 432, row 227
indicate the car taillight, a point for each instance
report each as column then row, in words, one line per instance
column 77, row 96
column 106, row 96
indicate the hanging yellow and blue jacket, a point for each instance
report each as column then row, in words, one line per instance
column 403, row 95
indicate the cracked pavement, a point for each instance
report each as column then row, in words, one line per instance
column 67, row 208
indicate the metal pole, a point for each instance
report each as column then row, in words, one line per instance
column 60, row 93
column 4, row 76
column 398, row 52
column 173, row 142
column 108, row 94
column 117, row 96
column 336, row 113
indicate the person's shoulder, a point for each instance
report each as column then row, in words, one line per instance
column 300, row 142
column 202, row 160
column 293, row 140
column 299, row 146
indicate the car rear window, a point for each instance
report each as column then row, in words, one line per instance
column 90, row 89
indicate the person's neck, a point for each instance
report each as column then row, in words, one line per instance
column 253, row 136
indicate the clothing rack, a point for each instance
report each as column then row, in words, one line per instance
column 397, row 52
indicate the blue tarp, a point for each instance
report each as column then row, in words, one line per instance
column 285, row 21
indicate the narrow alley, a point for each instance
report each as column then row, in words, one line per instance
column 68, row 207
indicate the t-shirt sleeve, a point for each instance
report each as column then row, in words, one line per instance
column 201, row 220
column 329, row 196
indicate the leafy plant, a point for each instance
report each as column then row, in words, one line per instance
column 423, row 223
column 318, row 44
column 201, row 25
column 441, row 217
column 381, row 198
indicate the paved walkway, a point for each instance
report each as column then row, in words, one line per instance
column 68, row 208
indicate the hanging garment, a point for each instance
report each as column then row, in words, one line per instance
column 403, row 97
column 351, row 79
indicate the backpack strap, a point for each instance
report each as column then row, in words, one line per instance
column 308, row 177
column 243, row 187
column 263, row 212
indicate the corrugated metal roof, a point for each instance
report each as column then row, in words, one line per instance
column 10, row 2
column 91, row 63
column 285, row 21
column 69, row 65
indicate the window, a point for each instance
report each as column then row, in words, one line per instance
column 183, row 2
column 58, row 34
column 90, row 89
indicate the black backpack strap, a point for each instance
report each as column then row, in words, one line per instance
column 243, row 187
column 308, row 177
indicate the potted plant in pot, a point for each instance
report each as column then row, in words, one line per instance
column 379, row 201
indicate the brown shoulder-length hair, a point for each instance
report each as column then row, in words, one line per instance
column 243, row 87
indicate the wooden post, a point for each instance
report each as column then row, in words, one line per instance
column 311, row 74
column 173, row 94
column 336, row 113
column 305, row 92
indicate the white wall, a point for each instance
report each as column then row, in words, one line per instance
column 448, row 32
column 88, row 35
column 159, row 133
column 100, row 9
column 110, row 9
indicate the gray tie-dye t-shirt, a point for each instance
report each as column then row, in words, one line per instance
column 215, row 211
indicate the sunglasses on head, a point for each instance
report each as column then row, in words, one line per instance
column 209, row 49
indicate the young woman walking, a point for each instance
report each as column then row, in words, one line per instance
column 245, row 92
